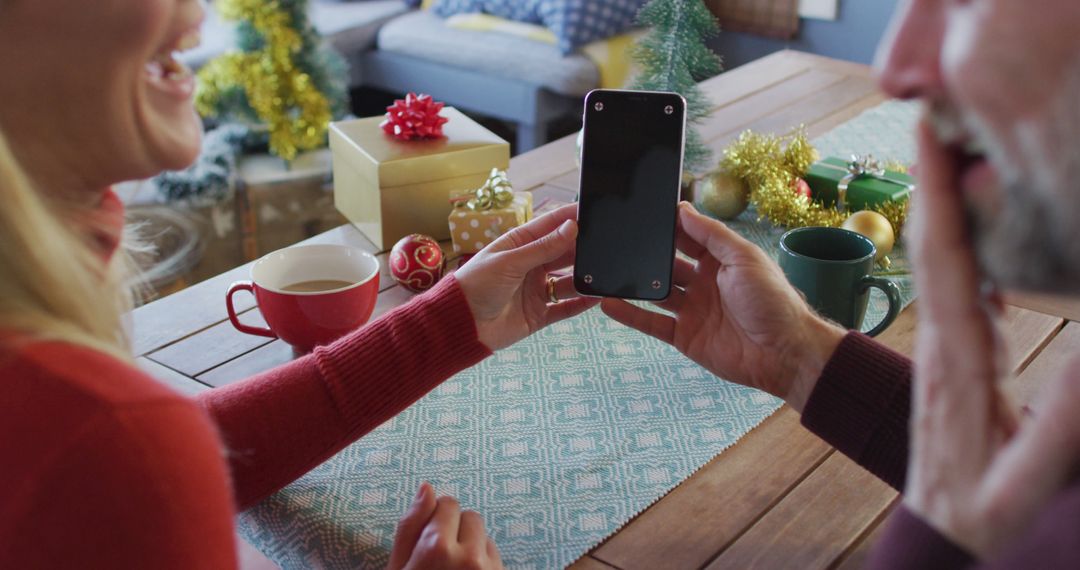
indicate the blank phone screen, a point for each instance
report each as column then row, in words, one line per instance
column 631, row 169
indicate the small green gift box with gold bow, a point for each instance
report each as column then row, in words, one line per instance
column 482, row 215
column 857, row 184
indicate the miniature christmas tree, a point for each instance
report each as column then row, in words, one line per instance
column 673, row 57
column 281, row 77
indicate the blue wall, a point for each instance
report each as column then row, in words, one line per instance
column 854, row 36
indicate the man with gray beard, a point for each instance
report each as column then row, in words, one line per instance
column 998, row 208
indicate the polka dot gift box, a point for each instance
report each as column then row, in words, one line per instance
column 483, row 215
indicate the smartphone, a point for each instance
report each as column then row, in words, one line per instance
column 631, row 169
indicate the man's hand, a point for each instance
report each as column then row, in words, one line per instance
column 506, row 283
column 973, row 474
column 436, row 535
column 733, row 312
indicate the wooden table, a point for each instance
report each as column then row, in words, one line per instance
column 780, row 498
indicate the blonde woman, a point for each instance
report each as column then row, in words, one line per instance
column 102, row 466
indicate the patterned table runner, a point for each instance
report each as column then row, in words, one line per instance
column 558, row 441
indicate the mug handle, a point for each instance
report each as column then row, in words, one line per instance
column 892, row 292
column 250, row 288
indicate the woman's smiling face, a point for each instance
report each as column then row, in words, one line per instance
column 91, row 94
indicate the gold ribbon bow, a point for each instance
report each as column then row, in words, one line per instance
column 862, row 167
column 496, row 193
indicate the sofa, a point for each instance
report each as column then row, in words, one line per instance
column 393, row 47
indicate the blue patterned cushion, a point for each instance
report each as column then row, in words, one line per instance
column 574, row 22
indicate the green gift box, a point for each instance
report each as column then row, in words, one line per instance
column 857, row 184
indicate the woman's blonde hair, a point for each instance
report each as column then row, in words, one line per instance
column 53, row 284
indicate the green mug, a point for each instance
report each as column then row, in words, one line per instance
column 833, row 268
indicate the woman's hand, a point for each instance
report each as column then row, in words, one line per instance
column 507, row 283
column 974, row 475
column 436, row 535
column 733, row 312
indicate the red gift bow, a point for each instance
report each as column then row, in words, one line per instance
column 414, row 117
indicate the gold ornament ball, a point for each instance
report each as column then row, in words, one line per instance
column 722, row 195
column 686, row 187
column 876, row 228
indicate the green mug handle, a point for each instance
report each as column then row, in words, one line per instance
column 892, row 292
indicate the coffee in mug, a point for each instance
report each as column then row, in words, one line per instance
column 317, row 286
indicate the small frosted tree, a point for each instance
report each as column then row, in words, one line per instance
column 673, row 57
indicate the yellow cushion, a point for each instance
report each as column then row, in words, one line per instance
column 489, row 23
column 611, row 56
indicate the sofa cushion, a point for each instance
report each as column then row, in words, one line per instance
column 574, row 22
column 350, row 27
column 426, row 36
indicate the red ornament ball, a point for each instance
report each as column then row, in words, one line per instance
column 802, row 188
column 417, row 262
column 414, row 117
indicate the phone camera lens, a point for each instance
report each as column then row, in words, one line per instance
column 669, row 110
column 588, row 279
column 656, row 284
column 599, row 106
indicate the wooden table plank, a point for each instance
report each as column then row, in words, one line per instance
column 261, row 359
column 589, row 563
column 1048, row 364
column 536, row 167
column 171, row 378
column 548, row 197
column 1050, row 304
column 210, row 348
column 842, row 500
column 189, row 311
column 748, row 80
column 840, row 95
column 857, row 558
column 711, row 509
column 737, row 115
column 811, row 111
column 570, row 181
column 831, row 64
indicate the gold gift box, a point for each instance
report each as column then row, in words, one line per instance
column 472, row 230
column 390, row 188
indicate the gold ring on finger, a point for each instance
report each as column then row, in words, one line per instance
column 552, row 297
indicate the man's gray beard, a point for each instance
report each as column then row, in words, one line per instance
column 1033, row 242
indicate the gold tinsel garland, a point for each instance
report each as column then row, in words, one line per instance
column 297, row 114
column 771, row 165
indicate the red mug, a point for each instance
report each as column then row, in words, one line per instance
column 306, row 319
